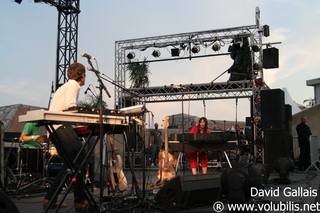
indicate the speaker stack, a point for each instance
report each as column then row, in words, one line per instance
column 183, row 192
column 276, row 124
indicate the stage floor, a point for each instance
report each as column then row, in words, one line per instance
column 306, row 183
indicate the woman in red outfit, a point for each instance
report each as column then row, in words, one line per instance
column 201, row 128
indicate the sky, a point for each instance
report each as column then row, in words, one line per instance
column 28, row 44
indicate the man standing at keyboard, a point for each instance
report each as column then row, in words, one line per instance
column 65, row 97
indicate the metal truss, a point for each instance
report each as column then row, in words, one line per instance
column 234, row 89
column 67, row 41
column 184, row 42
column 67, row 38
column 218, row 41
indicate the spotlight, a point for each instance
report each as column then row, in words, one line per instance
column 216, row 47
column 255, row 48
column 18, row 1
column 259, row 82
column 156, row 53
column 175, row 52
column 257, row 99
column 195, row 49
column 256, row 66
column 183, row 46
column 131, row 55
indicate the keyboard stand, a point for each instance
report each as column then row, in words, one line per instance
column 72, row 166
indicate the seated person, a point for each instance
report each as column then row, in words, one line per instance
column 201, row 128
column 30, row 136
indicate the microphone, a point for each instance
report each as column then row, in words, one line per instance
column 85, row 92
column 89, row 57
column 52, row 90
column 93, row 70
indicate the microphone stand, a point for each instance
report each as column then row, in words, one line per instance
column 101, row 88
column 98, row 74
column 117, row 85
column 52, row 91
column 204, row 109
column 183, row 145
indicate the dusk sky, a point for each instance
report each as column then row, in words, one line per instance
column 29, row 41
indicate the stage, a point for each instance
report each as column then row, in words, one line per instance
column 301, row 190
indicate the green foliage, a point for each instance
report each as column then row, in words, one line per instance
column 91, row 102
column 139, row 74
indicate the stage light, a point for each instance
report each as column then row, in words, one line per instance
column 216, row 47
column 131, row 55
column 18, row 1
column 156, row 53
column 256, row 66
column 259, row 82
column 257, row 99
column 175, row 52
column 195, row 49
column 255, row 48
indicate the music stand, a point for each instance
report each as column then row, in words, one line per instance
column 313, row 140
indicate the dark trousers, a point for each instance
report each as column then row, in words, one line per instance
column 79, row 196
column 155, row 153
column 68, row 148
column 304, row 157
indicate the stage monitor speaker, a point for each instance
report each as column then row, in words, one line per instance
column 270, row 58
column 183, row 192
column 273, row 116
column 6, row 205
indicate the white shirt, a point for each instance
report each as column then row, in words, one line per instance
column 65, row 97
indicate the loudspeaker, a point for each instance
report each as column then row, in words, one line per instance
column 273, row 116
column 266, row 30
column 270, row 58
column 136, row 159
column 175, row 52
column 183, row 192
column 288, row 111
column 249, row 121
column 6, row 205
column 276, row 145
